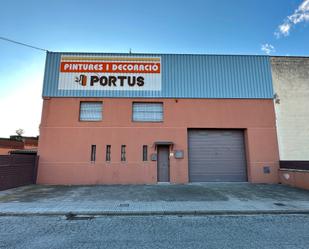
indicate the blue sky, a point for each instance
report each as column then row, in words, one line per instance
column 280, row 27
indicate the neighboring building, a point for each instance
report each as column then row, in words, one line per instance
column 31, row 143
column 291, row 86
column 6, row 145
column 17, row 143
column 148, row 118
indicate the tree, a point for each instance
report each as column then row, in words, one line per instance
column 19, row 132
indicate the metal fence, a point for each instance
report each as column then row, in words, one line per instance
column 17, row 170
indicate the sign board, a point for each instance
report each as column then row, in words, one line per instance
column 105, row 73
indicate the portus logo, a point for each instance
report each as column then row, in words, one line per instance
column 81, row 79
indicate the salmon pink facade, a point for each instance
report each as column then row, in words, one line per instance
column 65, row 142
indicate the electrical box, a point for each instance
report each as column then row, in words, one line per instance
column 153, row 157
column 179, row 154
column 266, row 170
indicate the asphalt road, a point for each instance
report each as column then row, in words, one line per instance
column 265, row 231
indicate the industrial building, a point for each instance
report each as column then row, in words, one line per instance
column 149, row 118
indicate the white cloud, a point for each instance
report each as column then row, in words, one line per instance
column 268, row 48
column 301, row 14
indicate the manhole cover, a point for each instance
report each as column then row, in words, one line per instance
column 124, row 205
column 279, row 204
column 71, row 216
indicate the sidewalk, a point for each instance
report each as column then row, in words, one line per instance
column 191, row 199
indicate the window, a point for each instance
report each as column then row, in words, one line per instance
column 123, row 153
column 148, row 112
column 90, row 111
column 108, row 153
column 93, row 152
column 145, row 152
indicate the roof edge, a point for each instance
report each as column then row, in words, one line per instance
column 157, row 54
column 180, row 54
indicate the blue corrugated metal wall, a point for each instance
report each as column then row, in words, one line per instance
column 183, row 76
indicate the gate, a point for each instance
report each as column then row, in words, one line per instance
column 17, row 170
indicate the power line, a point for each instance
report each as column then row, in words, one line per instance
column 22, row 44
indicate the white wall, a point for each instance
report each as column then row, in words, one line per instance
column 291, row 84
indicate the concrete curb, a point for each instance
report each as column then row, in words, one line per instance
column 158, row 213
